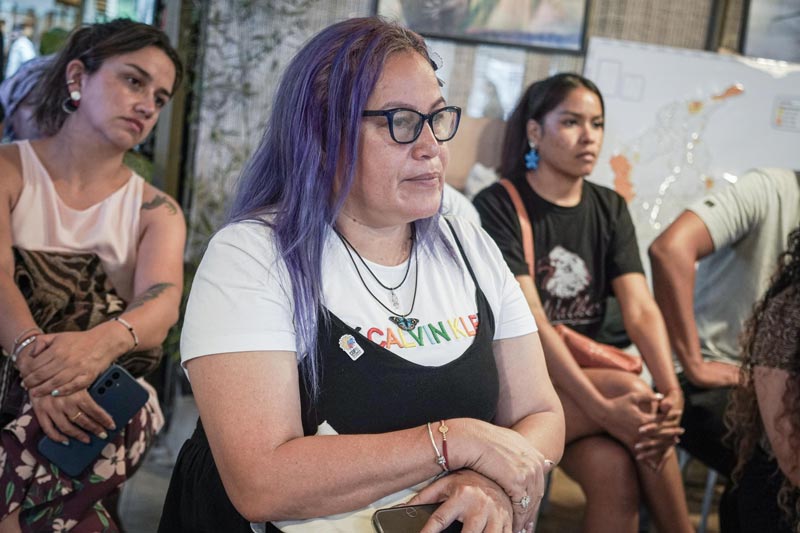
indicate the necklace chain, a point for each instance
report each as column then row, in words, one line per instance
column 348, row 247
column 376, row 278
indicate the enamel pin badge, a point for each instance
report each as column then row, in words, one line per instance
column 349, row 345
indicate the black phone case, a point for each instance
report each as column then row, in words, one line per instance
column 116, row 391
column 407, row 519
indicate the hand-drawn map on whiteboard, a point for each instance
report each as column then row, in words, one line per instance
column 681, row 123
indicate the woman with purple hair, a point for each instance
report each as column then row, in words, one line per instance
column 349, row 348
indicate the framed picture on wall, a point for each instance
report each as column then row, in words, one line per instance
column 543, row 24
column 772, row 30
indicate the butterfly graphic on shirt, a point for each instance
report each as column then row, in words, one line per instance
column 405, row 323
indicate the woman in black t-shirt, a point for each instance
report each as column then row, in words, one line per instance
column 620, row 433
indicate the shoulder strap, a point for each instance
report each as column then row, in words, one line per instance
column 524, row 222
column 461, row 251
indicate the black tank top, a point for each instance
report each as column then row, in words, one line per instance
column 381, row 392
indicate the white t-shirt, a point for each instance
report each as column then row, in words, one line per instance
column 241, row 301
column 749, row 223
column 241, row 296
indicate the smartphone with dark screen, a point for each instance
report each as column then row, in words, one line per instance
column 116, row 391
column 407, row 519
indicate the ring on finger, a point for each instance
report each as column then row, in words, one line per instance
column 76, row 416
column 524, row 502
column 54, row 393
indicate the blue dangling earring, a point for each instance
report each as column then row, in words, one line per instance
column 532, row 157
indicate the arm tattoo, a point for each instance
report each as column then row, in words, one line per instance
column 150, row 294
column 158, row 201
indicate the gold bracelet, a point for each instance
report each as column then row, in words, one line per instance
column 443, row 429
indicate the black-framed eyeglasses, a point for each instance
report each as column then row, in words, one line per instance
column 405, row 125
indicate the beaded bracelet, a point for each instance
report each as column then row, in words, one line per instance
column 440, row 459
column 130, row 330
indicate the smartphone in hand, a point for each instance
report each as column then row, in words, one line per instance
column 116, row 391
column 407, row 519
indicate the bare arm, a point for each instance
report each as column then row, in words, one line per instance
column 272, row 472
column 645, row 325
column 673, row 256
column 13, row 308
column 770, row 386
column 539, row 417
column 158, row 283
column 255, row 427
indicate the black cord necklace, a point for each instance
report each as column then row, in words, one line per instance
column 395, row 299
column 402, row 320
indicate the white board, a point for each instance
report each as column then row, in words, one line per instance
column 681, row 123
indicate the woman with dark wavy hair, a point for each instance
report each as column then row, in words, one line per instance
column 764, row 414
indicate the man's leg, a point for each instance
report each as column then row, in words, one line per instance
column 703, row 420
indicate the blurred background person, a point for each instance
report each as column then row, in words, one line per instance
column 2, row 49
column 21, row 49
column 15, row 97
column 764, row 411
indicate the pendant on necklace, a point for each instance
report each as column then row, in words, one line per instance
column 406, row 323
column 395, row 301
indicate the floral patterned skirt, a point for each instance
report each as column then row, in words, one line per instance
column 52, row 501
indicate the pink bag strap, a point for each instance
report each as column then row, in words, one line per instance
column 524, row 223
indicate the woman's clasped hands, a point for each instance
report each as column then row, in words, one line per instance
column 60, row 364
column 647, row 423
column 659, row 436
column 57, row 370
column 498, row 482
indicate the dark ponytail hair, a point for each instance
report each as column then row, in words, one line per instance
column 92, row 45
column 539, row 99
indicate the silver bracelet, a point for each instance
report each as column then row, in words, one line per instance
column 21, row 346
column 21, row 336
column 130, row 330
column 440, row 460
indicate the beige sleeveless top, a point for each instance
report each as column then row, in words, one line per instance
column 42, row 221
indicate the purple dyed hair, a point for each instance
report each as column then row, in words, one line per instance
column 302, row 171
